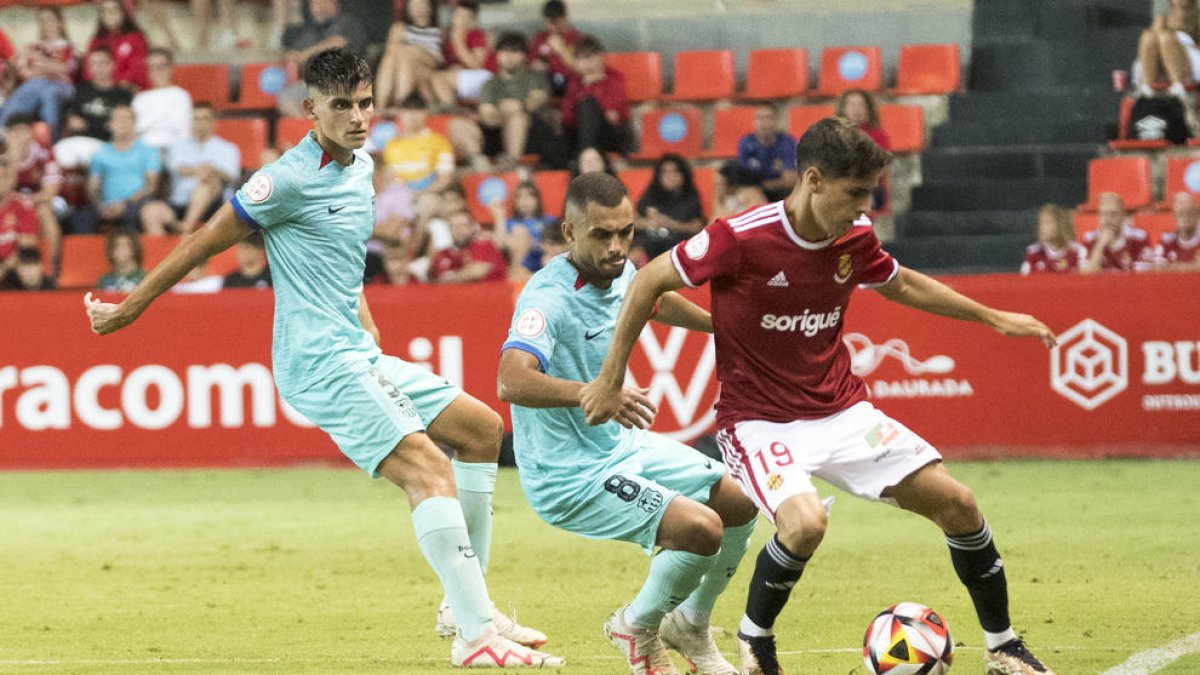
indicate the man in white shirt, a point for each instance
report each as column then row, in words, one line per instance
column 164, row 112
column 202, row 167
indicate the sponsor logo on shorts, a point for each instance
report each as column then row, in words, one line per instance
column 882, row 434
column 402, row 401
column 774, row 481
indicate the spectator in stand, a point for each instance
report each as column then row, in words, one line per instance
column 89, row 111
column 1179, row 250
column 413, row 53
column 735, row 190
column 8, row 71
column 669, row 211
column 252, row 271
column 47, row 68
column 469, row 61
column 512, row 109
column 119, row 33
column 554, row 243
column 1056, row 249
column 471, row 258
column 1115, row 244
column 38, row 178
column 595, row 108
column 123, row 249
column 28, row 274
column 201, row 168
column 122, row 181
column 1167, row 51
column 552, row 50
column 164, row 111
column 198, row 281
column 18, row 220
column 858, row 106
column 768, row 153
column 227, row 39
column 418, row 156
column 324, row 27
column 589, row 160
column 523, row 227
column 397, row 266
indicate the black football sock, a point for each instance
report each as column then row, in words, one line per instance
column 775, row 573
column 982, row 571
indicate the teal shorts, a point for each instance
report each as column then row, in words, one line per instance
column 625, row 498
column 368, row 413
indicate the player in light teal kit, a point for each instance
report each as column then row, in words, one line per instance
column 617, row 480
column 315, row 207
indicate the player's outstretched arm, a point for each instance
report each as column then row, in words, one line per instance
column 224, row 230
column 521, row 382
column 601, row 398
column 676, row 310
column 919, row 291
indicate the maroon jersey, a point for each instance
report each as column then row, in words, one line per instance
column 1044, row 258
column 1132, row 248
column 17, row 218
column 778, row 304
column 38, row 169
column 1173, row 249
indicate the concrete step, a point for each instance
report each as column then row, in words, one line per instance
column 1021, row 132
column 916, row 224
column 999, row 162
column 998, row 195
column 1095, row 102
column 962, row 254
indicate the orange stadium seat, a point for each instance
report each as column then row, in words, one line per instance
column 635, row 181
column 553, row 186
column 1183, row 175
column 705, row 178
column 290, row 130
column 905, row 126
column 484, row 187
column 438, row 123
column 704, row 75
column 208, row 82
column 729, row 125
column 801, row 117
column 260, row 83
column 642, row 71
column 672, row 130
column 845, row 68
column 927, row 69
column 776, row 73
column 1127, row 176
column 83, row 260
column 1154, row 223
column 1085, row 222
column 249, row 134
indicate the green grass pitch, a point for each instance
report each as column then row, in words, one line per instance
column 316, row 571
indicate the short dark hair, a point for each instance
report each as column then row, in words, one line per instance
column 163, row 52
column 204, row 105
column 337, row 70
column 840, row 150
column 469, row 5
column 593, row 188
column 27, row 255
column 512, row 41
column 110, row 243
column 589, row 45
column 19, row 119
column 554, row 9
column 414, row 101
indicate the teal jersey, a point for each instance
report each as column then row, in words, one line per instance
column 316, row 216
column 567, row 325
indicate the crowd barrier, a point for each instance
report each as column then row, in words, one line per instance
column 189, row 384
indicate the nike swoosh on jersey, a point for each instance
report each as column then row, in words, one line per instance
column 333, row 210
column 589, row 335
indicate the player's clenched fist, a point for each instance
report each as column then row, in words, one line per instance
column 106, row 317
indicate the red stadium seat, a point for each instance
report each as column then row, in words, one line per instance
column 729, row 125
column 642, row 71
column 249, row 134
column 673, row 130
column 1127, row 176
column 1183, row 175
column 705, row 178
column 1154, row 223
column 635, row 181
column 484, row 187
column 704, row 75
column 206, row 82
column 1131, row 145
column 1085, row 222
column 801, row 117
column 260, row 83
column 553, row 186
column 905, row 126
column 776, row 73
column 845, row 68
column 438, row 123
column 84, row 262
column 290, row 130
column 927, row 69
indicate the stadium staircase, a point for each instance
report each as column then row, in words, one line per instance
column 1038, row 106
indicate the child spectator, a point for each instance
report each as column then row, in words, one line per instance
column 252, row 271
column 554, row 243
column 164, row 111
column 595, row 108
column 552, row 50
column 18, row 221
column 522, row 231
column 468, row 58
column 413, row 53
column 1056, row 249
column 47, row 68
column 768, row 153
column 420, row 157
column 471, row 258
column 28, row 274
column 124, row 252
column 669, row 211
column 117, row 32
column 512, row 110
column 38, row 178
column 735, row 190
column 858, row 106
column 89, row 111
column 1115, row 244
column 122, row 181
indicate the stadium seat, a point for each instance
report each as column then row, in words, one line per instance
column 672, row 130
column 259, row 84
column 705, row 178
column 1127, row 176
column 484, row 187
column 553, row 186
column 927, row 69
column 845, row 68
column 1134, row 145
column 84, row 262
column 1085, row 221
column 1183, row 175
column 206, row 82
column 729, row 125
column 249, row 134
column 703, row 75
column 905, row 126
column 1154, row 223
column 642, row 71
column 289, row 131
column 438, row 123
column 801, row 117
column 635, row 181
column 776, row 73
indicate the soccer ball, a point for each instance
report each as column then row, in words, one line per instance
column 908, row 639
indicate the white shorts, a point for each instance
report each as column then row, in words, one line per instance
column 859, row 450
column 1193, row 52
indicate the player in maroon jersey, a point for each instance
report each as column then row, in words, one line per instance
column 782, row 275
column 1179, row 249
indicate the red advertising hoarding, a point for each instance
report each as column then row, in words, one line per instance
column 189, row 384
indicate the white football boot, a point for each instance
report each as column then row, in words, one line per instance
column 644, row 652
column 507, row 626
column 694, row 643
column 492, row 650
